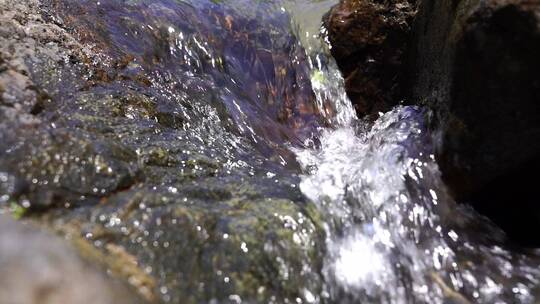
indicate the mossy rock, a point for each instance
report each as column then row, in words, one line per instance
column 200, row 249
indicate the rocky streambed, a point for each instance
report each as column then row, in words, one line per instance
column 207, row 152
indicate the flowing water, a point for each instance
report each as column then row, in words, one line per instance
column 394, row 235
column 250, row 85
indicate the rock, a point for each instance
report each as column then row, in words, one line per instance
column 476, row 64
column 38, row 268
column 165, row 173
column 369, row 42
column 201, row 243
column 252, row 48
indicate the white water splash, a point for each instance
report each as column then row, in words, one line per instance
column 394, row 235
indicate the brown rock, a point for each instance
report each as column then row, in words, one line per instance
column 369, row 40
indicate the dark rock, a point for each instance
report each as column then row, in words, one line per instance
column 38, row 268
column 369, row 42
column 476, row 64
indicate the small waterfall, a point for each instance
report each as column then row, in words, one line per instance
column 394, row 235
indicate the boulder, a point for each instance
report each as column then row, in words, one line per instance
column 476, row 63
column 369, row 42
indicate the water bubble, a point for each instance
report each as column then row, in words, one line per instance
column 244, row 247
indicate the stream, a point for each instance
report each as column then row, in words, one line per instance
column 214, row 143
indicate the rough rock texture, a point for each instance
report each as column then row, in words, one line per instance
column 38, row 268
column 140, row 147
column 476, row 63
column 369, row 41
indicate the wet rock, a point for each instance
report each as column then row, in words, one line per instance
column 253, row 49
column 23, row 37
column 58, row 165
column 369, row 41
column 476, row 63
column 166, row 173
column 201, row 249
column 38, row 268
